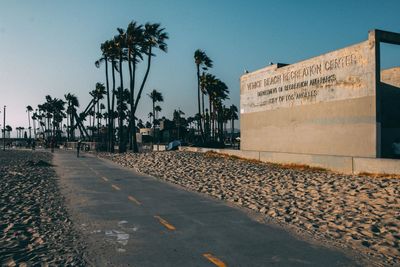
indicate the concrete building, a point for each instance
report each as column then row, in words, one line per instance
column 325, row 109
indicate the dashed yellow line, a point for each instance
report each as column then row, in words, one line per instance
column 131, row 198
column 105, row 179
column 214, row 260
column 116, row 187
column 165, row 223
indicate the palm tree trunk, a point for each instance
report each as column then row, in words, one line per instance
column 34, row 128
column 112, row 109
column 210, row 122
column 108, row 106
column 232, row 125
column 135, row 148
column 121, row 147
column 154, row 126
column 29, row 120
column 198, row 102
column 132, row 135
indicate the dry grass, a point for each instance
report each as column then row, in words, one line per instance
column 213, row 154
column 379, row 175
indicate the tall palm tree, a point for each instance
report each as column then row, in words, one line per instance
column 97, row 94
column 155, row 97
column 106, row 49
column 134, row 43
column 120, row 42
column 72, row 104
column 29, row 109
column 201, row 60
column 154, row 36
column 34, row 118
column 207, row 85
column 112, row 55
column 233, row 115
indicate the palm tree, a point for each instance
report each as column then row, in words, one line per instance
column 153, row 37
column 9, row 130
column 97, row 94
column 34, row 118
column 106, row 50
column 201, row 60
column 155, row 97
column 207, row 85
column 113, row 54
column 233, row 115
column 134, row 43
column 29, row 109
column 72, row 104
column 120, row 42
column 157, row 110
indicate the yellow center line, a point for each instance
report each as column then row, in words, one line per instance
column 214, row 260
column 165, row 223
column 115, row 187
column 131, row 198
column 104, row 178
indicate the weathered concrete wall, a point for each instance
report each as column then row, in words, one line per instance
column 324, row 105
column 376, row 166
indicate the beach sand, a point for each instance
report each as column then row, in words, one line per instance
column 35, row 228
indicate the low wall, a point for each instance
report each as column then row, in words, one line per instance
column 342, row 164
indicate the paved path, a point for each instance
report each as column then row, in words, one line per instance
column 130, row 219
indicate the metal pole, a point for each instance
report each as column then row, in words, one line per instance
column 4, row 129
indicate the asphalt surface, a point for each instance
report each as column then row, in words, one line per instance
column 131, row 219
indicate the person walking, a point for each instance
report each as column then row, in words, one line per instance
column 78, row 147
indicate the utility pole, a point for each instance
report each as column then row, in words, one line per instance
column 4, row 128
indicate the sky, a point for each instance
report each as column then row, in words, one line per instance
column 49, row 47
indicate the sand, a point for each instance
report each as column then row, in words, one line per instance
column 35, row 228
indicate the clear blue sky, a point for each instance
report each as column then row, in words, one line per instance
column 49, row 47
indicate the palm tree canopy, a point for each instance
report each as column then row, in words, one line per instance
column 233, row 112
column 157, row 108
column 135, row 40
column 154, row 36
column 201, row 59
column 29, row 108
column 156, row 96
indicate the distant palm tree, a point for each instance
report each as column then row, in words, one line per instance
column 34, row 118
column 157, row 110
column 201, row 60
column 155, row 97
column 97, row 94
column 9, row 130
column 72, row 104
column 233, row 115
column 29, row 109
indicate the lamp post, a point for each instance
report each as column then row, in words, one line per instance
column 4, row 128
